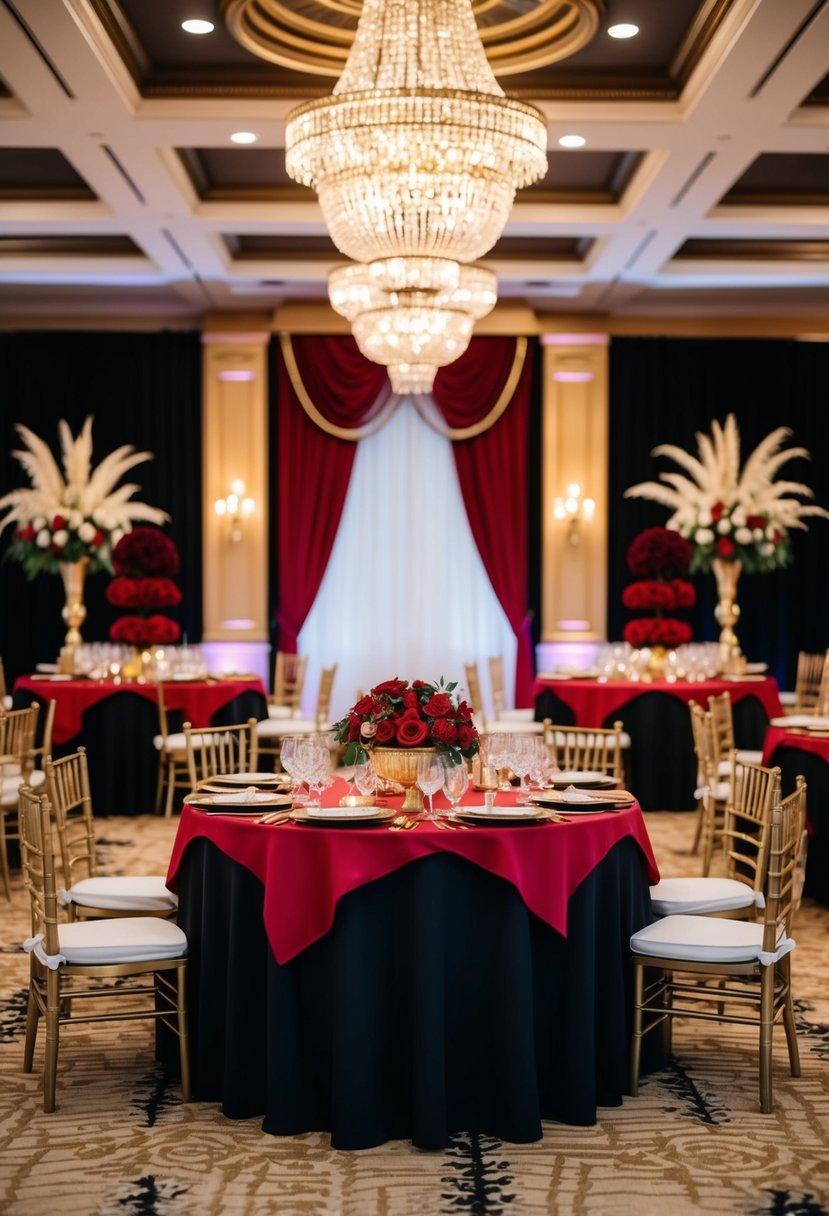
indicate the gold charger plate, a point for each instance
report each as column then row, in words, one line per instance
column 581, row 781
column 520, row 817
column 218, row 804
column 228, row 782
column 364, row 818
column 598, row 802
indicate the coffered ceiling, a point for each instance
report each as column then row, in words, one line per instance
column 702, row 189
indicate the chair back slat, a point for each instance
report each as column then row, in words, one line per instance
column 288, row 679
column 67, row 788
column 789, row 817
column 215, row 751
column 473, row 687
column 17, row 739
column 748, row 821
column 324, row 695
column 722, row 724
column 496, row 685
column 38, row 861
column 808, row 679
column 822, row 703
column 592, row 749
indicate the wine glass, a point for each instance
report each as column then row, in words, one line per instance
column 365, row 777
column 429, row 780
column 455, row 781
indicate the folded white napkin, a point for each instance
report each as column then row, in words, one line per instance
column 499, row 811
column 342, row 812
column 571, row 794
column 251, row 794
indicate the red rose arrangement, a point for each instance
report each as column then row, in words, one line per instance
column 659, row 556
column 145, row 558
column 397, row 713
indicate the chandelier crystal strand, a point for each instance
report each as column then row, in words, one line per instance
column 415, row 158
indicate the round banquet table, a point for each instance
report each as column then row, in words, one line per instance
column 800, row 754
column 663, row 769
column 116, row 723
column 384, row 985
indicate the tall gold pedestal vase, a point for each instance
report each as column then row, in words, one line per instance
column 727, row 612
column 74, row 610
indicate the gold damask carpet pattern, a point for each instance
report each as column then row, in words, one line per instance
column 122, row 1144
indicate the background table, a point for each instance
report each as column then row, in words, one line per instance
column 435, row 999
column 663, row 768
column 798, row 754
column 116, row 723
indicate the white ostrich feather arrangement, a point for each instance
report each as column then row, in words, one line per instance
column 77, row 513
column 728, row 513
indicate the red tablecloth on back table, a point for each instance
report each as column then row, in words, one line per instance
column 592, row 701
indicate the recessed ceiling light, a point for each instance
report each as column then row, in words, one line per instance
column 244, row 137
column 195, row 25
column 623, row 30
column 572, row 141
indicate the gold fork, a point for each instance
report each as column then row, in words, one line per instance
column 398, row 824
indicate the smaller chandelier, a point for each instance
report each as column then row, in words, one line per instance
column 412, row 314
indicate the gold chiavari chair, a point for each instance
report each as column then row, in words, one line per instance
column 17, row 740
column 746, row 838
column 712, row 790
column 86, row 894
column 271, row 732
column 708, row 968
column 487, row 725
column 173, row 771
column 214, row 751
column 5, row 699
column 585, row 749
column 288, row 684
column 810, row 669
column 69, row 961
column 722, row 724
column 496, row 688
column 822, row 704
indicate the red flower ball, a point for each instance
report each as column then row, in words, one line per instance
column 659, row 551
column 390, row 688
column 438, row 706
column 685, row 595
column 649, row 593
column 146, row 550
column 444, row 732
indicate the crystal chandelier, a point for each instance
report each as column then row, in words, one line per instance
column 415, row 158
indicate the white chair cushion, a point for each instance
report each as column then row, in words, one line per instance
column 720, row 791
column 271, row 729
column 7, row 702
column 816, row 721
column 278, row 713
column 743, row 757
column 147, row 893
column 699, row 896
column 788, row 698
column 136, row 939
column 10, row 786
column 516, row 715
column 176, row 742
column 705, row 939
column 508, row 726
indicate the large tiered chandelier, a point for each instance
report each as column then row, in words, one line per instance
column 415, row 158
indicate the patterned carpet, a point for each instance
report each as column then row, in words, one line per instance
column 122, row 1144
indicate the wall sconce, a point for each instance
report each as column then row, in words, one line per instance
column 574, row 509
column 235, row 507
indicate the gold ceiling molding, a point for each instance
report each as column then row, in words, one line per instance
column 316, row 35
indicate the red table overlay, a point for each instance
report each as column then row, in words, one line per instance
column 593, row 701
column 198, row 700
column 780, row 736
column 306, row 870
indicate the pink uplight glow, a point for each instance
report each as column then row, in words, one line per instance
column 574, row 339
column 573, row 377
column 238, row 374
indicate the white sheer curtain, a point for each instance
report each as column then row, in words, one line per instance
column 405, row 592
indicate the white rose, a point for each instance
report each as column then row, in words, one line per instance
column 724, row 525
column 43, row 539
column 744, row 536
column 738, row 517
column 75, row 520
column 60, row 538
column 87, row 532
column 758, row 534
column 704, row 536
column 767, row 549
column 704, row 519
column 39, row 522
column 771, row 531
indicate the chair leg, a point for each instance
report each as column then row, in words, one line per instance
column 636, row 1039
column 32, row 1022
column 788, row 1018
column 171, row 788
column 159, row 785
column 4, row 855
column 766, row 1040
column 707, row 835
column 50, row 1067
column 698, row 827
column 183, row 1038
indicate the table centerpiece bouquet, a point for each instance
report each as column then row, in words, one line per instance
column 144, row 560
column 735, row 518
column 399, row 721
column 659, row 557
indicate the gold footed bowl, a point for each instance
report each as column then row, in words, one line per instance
column 400, row 764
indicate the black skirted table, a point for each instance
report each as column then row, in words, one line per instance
column 801, row 753
column 425, row 1000
column 116, row 723
column 663, row 769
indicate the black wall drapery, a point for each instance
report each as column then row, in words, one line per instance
column 143, row 389
column 663, row 390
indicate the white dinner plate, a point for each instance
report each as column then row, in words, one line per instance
column 584, row 780
column 802, row 722
column 343, row 816
column 756, row 668
column 248, row 779
column 501, row 816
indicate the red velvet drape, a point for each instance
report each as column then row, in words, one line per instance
column 314, row 467
column 492, row 470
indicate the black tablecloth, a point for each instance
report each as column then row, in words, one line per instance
column 118, row 736
column 436, row 1003
column 792, row 762
column 663, row 769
